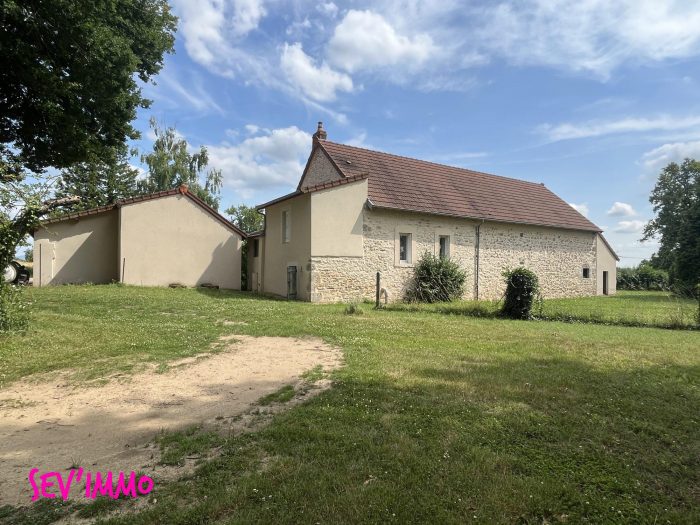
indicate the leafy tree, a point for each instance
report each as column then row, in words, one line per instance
column 100, row 181
column 68, row 93
column 170, row 165
column 676, row 203
column 246, row 218
column 249, row 220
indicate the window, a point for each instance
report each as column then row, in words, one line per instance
column 586, row 272
column 256, row 247
column 444, row 246
column 405, row 247
column 286, row 226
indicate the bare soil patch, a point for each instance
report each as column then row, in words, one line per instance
column 55, row 426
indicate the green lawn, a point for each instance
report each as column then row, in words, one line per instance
column 627, row 308
column 434, row 418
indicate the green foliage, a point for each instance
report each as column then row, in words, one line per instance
column 246, row 218
column 99, row 181
column 522, row 288
column 14, row 309
column 170, row 165
column 283, row 395
column 353, row 309
column 642, row 277
column 249, row 220
column 70, row 87
column 436, row 280
column 29, row 254
column 676, row 203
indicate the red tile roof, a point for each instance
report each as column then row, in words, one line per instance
column 183, row 190
column 415, row 185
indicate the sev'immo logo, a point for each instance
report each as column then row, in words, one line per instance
column 95, row 483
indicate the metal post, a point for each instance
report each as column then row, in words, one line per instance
column 379, row 277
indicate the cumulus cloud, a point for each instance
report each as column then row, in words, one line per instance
column 658, row 158
column 629, row 227
column 364, row 40
column 581, row 208
column 621, row 209
column 271, row 158
column 626, row 125
column 319, row 83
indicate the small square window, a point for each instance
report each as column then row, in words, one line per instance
column 256, row 247
column 586, row 273
column 444, row 246
column 405, row 247
column 286, row 227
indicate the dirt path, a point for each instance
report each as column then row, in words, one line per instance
column 54, row 426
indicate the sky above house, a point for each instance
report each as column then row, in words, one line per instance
column 590, row 97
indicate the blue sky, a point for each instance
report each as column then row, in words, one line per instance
column 591, row 97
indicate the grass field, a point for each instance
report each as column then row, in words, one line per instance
column 626, row 308
column 433, row 419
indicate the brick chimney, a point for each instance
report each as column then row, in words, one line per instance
column 320, row 134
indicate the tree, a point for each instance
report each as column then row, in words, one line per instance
column 249, row 220
column 100, row 181
column 68, row 93
column 246, row 218
column 170, row 165
column 676, row 203
column 70, row 85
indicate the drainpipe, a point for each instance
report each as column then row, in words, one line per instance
column 476, row 261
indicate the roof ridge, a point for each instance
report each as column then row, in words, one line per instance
column 414, row 159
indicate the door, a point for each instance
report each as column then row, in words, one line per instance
column 291, row 282
column 605, row 283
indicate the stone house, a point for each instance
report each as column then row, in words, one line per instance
column 356, row 212
column 151, row 240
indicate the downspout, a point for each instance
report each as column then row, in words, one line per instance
column 476, row 259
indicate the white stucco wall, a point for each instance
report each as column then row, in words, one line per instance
column 173, row 240
column 75, row 251
column 297, row 252
column 606, row 261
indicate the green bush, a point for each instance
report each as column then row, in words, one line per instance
column 522, row 288
column 14, row 309
column 642, row 277
column 436, row 280
column 353, row 309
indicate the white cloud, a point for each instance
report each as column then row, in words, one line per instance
column 590, row 35
column 319, row 83
column 625, row 125
column 581, row 208
column 273, row 158
column 328, row 8
column 656, row 159
column 364, row 40
column 247, row 15
column 629, row 227
column 621, row 209
column 195, row 95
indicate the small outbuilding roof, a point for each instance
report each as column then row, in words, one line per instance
column 181, row 190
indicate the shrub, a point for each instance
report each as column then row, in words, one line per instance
column 642, row 277
column 522, row 288
column 353, row 309
column 14, row 309
column 436, row 280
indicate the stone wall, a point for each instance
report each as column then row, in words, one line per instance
column 319, row 170
column 556, row 256
column 336, row 279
